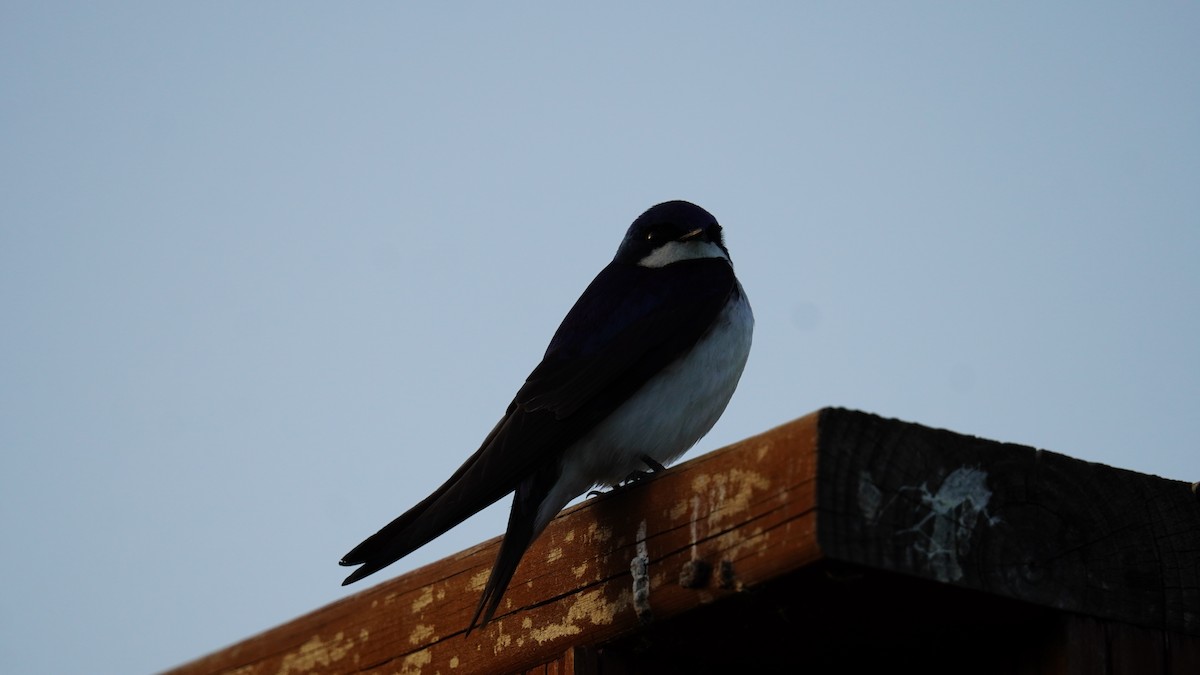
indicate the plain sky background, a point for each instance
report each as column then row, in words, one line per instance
column 269, row 272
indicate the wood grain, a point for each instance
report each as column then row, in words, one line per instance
column 1009, row 519
column 747, row 510
column 839, row 539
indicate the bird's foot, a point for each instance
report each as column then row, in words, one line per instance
column 639, row 476
column 634, row 477
column 655, row 467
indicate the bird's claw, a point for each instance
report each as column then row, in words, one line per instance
column 639, row 476
column 634, row 477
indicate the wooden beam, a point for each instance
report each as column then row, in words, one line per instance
column 1010, row 520
column 746, row 513
column 835, row 487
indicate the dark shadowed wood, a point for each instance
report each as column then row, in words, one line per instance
column 1010, row 520
column 840, row 541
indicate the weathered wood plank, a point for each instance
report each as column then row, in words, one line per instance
column 1010, row 520
column 747, row 511
column 951, row 545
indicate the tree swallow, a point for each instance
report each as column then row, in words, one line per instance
column 638, row 371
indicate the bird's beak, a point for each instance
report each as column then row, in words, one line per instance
column 693, row 234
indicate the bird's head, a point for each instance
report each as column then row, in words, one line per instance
column 671, row 232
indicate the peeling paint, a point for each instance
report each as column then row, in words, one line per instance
column 639, row 570
column 726, row 496
column 642, row 550
column 694, row 525
column 952, row 513
column 420, row 633
column 746, row 482
column 453, row 662
column 503, row 640
column 476, row 582
column 869, row 497
column 591, row 607
column 677, row 510
column 316, row 653
column 598, row 534
column 730, row 492
column 423, row 600
column 554, row 554
column 580, row 571
column 415, row 662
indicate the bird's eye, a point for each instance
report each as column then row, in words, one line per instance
column 657, row 233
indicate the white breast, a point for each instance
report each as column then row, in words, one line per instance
column 665, row 417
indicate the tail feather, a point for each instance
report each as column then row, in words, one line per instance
column 416, row 527
column 480, row 482
column 524, row 525
column 512, row 457
column 516, row 541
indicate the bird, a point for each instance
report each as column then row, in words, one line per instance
column 639, row 370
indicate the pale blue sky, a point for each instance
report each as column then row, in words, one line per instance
column 269, row 272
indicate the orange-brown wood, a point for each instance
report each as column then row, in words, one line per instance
column 747, row 512
column 839, row 541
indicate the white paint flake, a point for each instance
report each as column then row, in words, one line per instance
column 953, row 512
column 639, row 567
column 869, row 497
